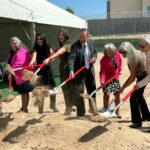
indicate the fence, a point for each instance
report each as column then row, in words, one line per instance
column 99, row 43
column 118, row 26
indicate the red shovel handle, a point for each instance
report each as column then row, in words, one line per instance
column 10, row 83
column 129, row 94
column 77, row 72
column 26, row 67
column 106, row 82
column 42, row 65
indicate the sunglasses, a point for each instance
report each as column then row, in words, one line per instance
column 39, row 39
column 141, row 46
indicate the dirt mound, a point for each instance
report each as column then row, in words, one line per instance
column 55, row 131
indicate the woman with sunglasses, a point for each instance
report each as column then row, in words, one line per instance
column 137, row 66
column 41, row 51
column 144, row 45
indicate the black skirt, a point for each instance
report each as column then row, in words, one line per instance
column 22, row 88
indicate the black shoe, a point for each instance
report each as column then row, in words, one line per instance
column 135, row 125
column 80, row 115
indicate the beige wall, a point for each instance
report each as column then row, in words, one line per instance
column 123, row 8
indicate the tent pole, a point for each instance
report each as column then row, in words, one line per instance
column 33, row 33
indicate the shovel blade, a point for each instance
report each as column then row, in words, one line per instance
column 93, row 107
column 106, row 114
column 113, row 115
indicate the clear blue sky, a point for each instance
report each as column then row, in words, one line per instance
column 83, row 7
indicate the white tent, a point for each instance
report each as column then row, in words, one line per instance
column 24, row 18
column 39, row 11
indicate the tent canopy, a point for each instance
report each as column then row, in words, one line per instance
column 39, row 11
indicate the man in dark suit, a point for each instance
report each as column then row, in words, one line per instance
column 81, row 53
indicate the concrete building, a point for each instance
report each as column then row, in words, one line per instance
column 128, row 8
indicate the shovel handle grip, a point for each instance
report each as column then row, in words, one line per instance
column 77, row 72
column 26, row 67
column 106, row 82
column 10, row 83
column 42, row 65
column 130, row 92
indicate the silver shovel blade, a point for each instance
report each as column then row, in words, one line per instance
column 106, row 113
column 113, row 115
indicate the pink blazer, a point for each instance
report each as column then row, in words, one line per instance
column 107, row 70
column 21, row 58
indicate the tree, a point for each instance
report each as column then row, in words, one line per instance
column 69, row 10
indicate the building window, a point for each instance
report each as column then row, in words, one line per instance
column 148, row 10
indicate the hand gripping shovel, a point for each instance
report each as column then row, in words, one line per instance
column 70, row 78
column 113, row 114
column 42, row 65
column 101, row 86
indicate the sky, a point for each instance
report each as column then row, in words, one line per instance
column 83, row 7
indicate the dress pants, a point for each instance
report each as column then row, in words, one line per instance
column 139, row 109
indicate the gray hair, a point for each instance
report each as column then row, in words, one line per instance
column 146, row 39
column 109, row 47
column 18, row 42
column 132, row 53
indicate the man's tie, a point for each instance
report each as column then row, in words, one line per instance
column 86, row 58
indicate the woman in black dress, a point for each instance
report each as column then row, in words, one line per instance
column 41, row 51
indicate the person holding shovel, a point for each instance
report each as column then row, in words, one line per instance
column 137, row 66
column 110, row 65
column 41, row 50
column 82, row 52
column 19, row 56
column 63, row 52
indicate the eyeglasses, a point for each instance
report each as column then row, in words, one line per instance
column 141, row 46
column 39, row 39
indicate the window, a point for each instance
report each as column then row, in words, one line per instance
column 148, row 10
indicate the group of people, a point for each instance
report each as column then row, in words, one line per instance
column 75, row 56
column 139, row 67
column 71, row 57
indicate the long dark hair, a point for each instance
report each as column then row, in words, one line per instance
column 65, row 31
column 45, row 47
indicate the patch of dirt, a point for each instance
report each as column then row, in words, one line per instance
column 54, row 131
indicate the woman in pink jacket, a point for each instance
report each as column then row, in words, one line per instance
column 19, row 56
column 110, row 66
